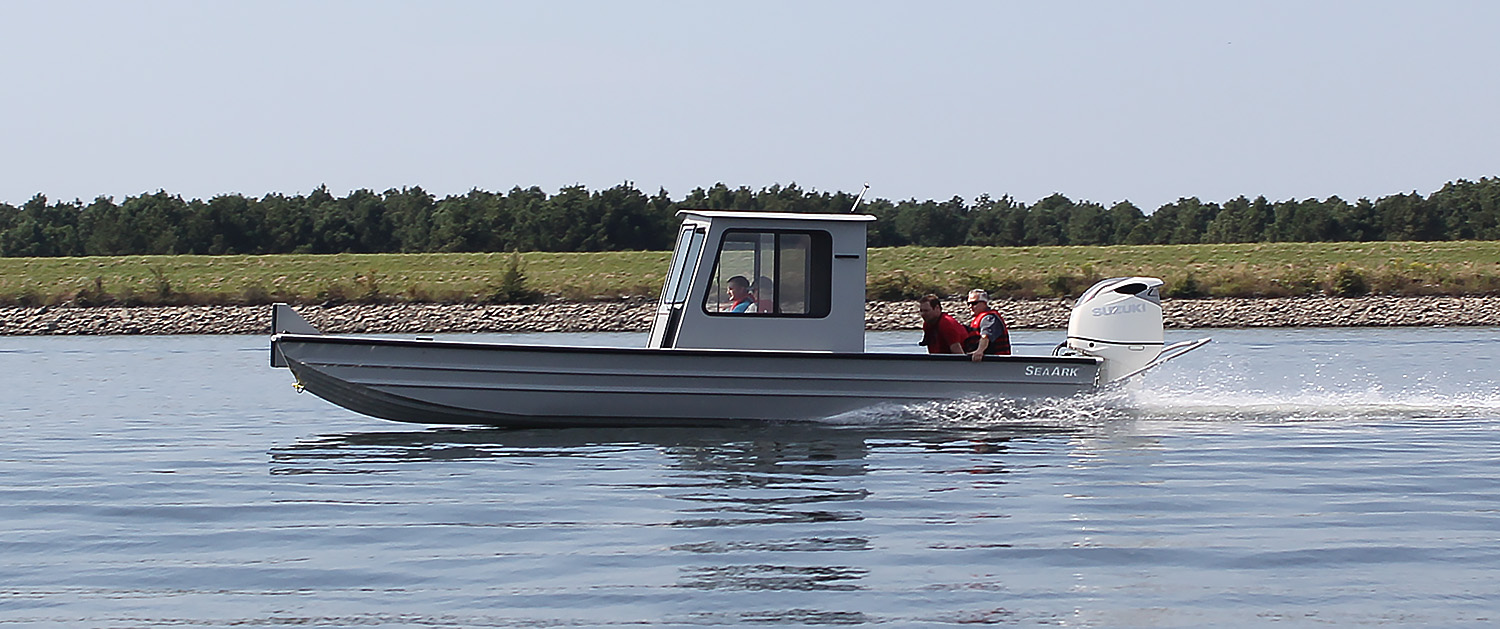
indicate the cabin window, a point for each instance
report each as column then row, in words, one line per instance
column 772, row 273
column 684, row 259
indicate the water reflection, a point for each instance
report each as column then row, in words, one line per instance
column 735, row 448
column 797, row 617
column 803, row 545
column 772, row 577
column 754, row 507
column 757, row 454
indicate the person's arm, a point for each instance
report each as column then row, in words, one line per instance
column 954, row 332
column 984, row 343
column 986, row 334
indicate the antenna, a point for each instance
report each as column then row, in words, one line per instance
column 859, row 198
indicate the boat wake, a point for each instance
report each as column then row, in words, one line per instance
column 1045, row 415
column 1314, row 404
column 1189, row 405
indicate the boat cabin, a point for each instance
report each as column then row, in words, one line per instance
column 765, row 280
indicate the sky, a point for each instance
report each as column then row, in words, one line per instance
column 1105, row 101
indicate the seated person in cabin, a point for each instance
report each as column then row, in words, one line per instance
column 941, row 333
column 741, row 300
column 764, row 296
column 987, row 331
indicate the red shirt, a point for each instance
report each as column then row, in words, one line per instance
column 940, row 336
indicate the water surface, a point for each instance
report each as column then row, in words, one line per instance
column 1296, row 477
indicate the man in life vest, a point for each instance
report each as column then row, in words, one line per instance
column 987, row 331
column 941, row 333
column 765, row 302
column 740, row 297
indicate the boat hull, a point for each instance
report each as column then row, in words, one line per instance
column 443, row 382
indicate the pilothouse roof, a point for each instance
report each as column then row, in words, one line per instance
column 775, row 216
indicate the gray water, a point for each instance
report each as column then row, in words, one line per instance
column 1289, row 477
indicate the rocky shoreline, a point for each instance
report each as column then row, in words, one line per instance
column 636, row 316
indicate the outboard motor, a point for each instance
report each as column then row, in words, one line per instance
column 1120, row 321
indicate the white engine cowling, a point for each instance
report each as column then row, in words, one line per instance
column 1120, row 321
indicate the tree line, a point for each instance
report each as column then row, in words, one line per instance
column 411, row 220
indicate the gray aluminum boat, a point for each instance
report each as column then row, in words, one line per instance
column 794, row 352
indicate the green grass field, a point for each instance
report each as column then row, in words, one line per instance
column 1245, row 270
column 1219, row 270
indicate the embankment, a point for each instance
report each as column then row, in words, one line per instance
column 636, row 316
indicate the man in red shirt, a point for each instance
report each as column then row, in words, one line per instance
column 941, row 333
